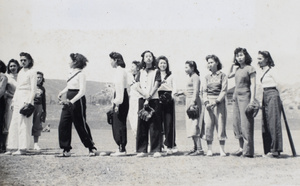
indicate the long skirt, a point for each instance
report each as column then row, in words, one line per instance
column 133, row 113
column 19, row 135
column 271, row 121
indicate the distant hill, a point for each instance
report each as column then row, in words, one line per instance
column 95, row 90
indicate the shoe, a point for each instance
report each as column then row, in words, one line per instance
column 92, row 152
column 272, row 155
column 209, row 153
column 36, row 147
column 157, row 155
column 8, row 153
column 190, row 152
column 47, row 128
column 197, row 153
column 237, row 153
column 141, row 155
column 118, row 154
column 66, row 154
column 223, row 154
column 247, row 156
column 19, row 152
column 169, row 151
column 174, row 150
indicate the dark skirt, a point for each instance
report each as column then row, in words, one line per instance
column 271, row 121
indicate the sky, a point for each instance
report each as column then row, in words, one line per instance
column 179, row 29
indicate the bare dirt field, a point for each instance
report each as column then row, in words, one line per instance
column 79, row 169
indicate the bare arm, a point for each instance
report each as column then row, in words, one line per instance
column 3, row 83
column 232, row 71
column 196, row 87
column 253, row 86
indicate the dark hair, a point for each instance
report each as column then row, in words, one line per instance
column 143, row 64
column 248, row 58
column 79, row 60
column 28, row 57
column 2, row 67
column 267, row 56
column 193, row 65
column 167, row 61
column 13, row 61
column 216, row 59
column 138, row 64
column 117, row 56
column 41, row 73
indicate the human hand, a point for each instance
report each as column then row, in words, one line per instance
column 116, row 109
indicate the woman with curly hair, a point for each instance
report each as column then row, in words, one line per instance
column 19, row 135
column 244, row 95
column 74, row 108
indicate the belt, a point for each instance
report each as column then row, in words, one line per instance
column 270, row 88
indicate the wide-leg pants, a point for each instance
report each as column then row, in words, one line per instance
column 243, row 125
column 119, row 123
column 271, row 121
column 152, row 126
column 168, row 120
column 78, row 117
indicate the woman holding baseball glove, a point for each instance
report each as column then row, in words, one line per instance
column 19, row 135
column 74, row 108
column 149, row 115
column 215, row 113
column 166, row 92
column 193, row 107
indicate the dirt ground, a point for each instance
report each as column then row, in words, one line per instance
column 79, row 169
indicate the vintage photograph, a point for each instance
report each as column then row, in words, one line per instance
column 149, row 92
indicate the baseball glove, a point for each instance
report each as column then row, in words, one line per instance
column 193, row 112
column 27, row 110
column 165, row 98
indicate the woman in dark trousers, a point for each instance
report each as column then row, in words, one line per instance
column 74, row 108
column 167, row 86
column 147, row 87
column 271, row 107
column 120, row 104
column 3, row 83
column 245, row 89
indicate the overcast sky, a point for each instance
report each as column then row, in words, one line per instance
column 179, row 29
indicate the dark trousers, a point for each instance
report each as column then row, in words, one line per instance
column 168, row 120
column 78, row 117
column 119, row 128
column 153, row 125
column 271, row 121
column 2, row 124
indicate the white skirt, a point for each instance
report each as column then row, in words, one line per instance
column 133, row 113
column 19, row 135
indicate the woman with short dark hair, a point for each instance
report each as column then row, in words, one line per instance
column 19, row 135
column 3, row 83
column 120, row 104
column 271, row 107
column 13, row 68
column 244, row 95
column 215, row 113
column 74, row 108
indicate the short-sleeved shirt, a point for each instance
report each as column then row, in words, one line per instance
column 147, row 81
column 242, row 78
column 268, row 78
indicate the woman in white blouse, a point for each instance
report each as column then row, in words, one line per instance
column 19, row 135
column 271, row 107
column 120, row 103
column 74, row 108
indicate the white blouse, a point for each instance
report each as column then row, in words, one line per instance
column 269, row 78
column 78, row 82
column 121, row 83
column 169, row 84
column 147, row 81
column 27, row 80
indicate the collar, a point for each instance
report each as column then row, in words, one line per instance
column 217, row 73
column 265, row 68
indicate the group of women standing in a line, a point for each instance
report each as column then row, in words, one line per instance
column 20, row 86
column 143, row 88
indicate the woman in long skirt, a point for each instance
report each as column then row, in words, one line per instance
column 13, row 68
column 134, row 97
column 215, row 113
column 120, row 104
column 193, row 98
column 3, row 83
column 245, row 90
column 271, row 107
column 19, row 135
column 74, row 108
column 167, row 86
